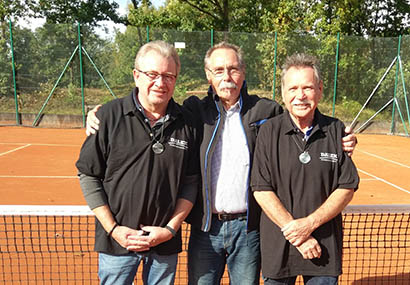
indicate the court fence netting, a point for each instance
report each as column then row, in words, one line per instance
column 54, row 245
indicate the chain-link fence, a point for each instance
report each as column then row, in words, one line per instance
column 50, row 78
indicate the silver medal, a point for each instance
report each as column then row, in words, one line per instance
column 304, row 157
column 158, row 148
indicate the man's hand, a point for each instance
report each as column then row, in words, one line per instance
column 152, row 237
column 298, row 231
column 92, row 121
column 122, row 235
column 310, row 248
column 348, row 142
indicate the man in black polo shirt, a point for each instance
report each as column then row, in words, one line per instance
column 140, row 173
column 225, row 208
column 302, row 180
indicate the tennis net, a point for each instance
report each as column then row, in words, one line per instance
column 54, row 245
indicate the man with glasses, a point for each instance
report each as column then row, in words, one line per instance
column 139, row 173
column 225, row 218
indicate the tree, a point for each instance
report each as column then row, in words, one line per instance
column 387, row 18
column 88, row 12
column 13, row 9
column 194, row 15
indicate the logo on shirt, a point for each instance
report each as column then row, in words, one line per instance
column 181, row 144
column 329, row 157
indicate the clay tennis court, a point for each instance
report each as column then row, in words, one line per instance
column 38, row 168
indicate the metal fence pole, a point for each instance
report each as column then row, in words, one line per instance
column 336, row 70
column 81, row 72
column 99, row 73
column 212, row 37
column 54, row 87
column 14, row 74
column 274, row 65
column 147, row 34
column 395, row 87
column 404, row 90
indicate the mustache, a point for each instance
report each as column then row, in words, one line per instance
column 229, row 85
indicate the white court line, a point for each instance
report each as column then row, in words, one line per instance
column 13, row 150
column 52, row 177
column 368, row 179
column 37, row 176
column 385, row 181
column 380, row 157
column 44, row 144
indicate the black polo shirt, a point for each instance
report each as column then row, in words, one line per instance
column 141, row 187
column 302, row 188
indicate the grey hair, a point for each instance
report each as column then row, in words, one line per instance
column 225, row 45
column 163, row 48
column 299, row 60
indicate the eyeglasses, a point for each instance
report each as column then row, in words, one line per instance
column 153, row 76
column 231, row 71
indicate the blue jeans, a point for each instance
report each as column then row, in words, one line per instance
column 121, row 269
column 308, row 280
column 226, row 243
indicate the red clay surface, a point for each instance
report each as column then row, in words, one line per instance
column 38, row 167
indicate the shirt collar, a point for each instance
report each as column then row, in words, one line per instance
column 291, row 128
column 236, row 107
column 131, row 105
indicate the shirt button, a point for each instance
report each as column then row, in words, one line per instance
column 151, row 135
column 146, row 120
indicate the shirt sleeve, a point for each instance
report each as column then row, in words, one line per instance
column 348, row 176
column 192, row 178
column 92, row 165
column 261, row 179
column 94, row 152
column 93, row 191
column 189, row 189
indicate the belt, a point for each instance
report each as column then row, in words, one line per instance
column 228, row 217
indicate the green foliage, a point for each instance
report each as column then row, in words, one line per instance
column 15, row 9
column 5, row 70
column 301, row 26
column 87, row 12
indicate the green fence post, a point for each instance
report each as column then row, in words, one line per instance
column 14, row 74
column 336, row 70
column 212, row 37
column 395, row 87
column 99, row 73
column 147, row 34
column 274, row 66
column 81, row 72
column 54, row 87
column 404, row 91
